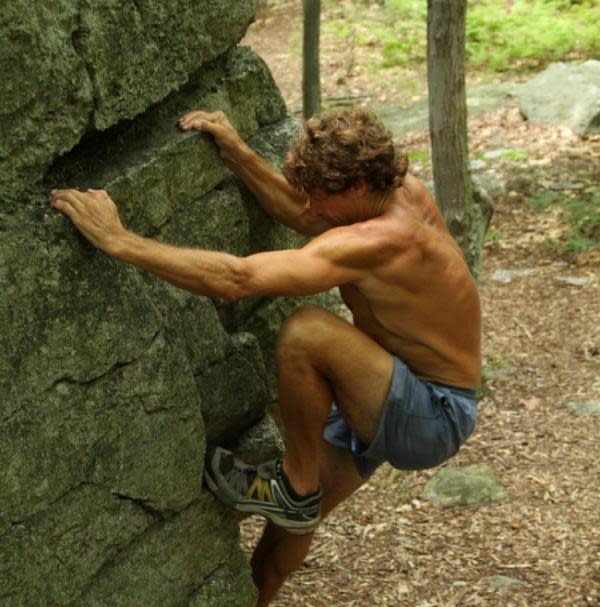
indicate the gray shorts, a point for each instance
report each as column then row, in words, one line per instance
column 422, row 424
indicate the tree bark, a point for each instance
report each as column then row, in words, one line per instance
column 311, row 79
column 466, row 212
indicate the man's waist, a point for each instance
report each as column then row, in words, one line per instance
column 458, row 390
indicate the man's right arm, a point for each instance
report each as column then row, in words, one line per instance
column 282, row 202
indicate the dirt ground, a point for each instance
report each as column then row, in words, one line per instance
column 387, row 546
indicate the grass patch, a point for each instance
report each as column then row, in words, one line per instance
column 582, row 216
column 525, row 36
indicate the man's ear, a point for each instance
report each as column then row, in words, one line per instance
column 361, row 188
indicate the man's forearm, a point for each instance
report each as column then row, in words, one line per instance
column 199, row 271
column 282, row 202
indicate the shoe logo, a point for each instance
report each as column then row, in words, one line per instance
column 262, row 489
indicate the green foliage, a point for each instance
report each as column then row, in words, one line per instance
column 541, row 201
column 419, row 156
column 408, row 42
column 582, row 213
column 493, row 368
column 493, row 236
column 533, row 32
column 499, row 37
column 515, row 155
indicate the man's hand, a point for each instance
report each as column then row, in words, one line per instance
column 229, row 142
column 94, row 214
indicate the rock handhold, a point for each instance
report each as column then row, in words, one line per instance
column 468, row 486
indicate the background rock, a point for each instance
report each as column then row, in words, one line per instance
column 469, row 486
column 480, row 99
column 565, row 94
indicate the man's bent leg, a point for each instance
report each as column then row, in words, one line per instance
column 322, row 358
column 279, row 553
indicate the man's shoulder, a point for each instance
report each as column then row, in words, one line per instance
column 415, row 186
column 362, row 245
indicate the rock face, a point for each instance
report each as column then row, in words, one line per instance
column 111, row 381
column 72, row 65
column 565, row 94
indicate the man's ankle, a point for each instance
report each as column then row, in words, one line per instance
column 295, row 494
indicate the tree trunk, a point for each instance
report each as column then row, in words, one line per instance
column 311, row 80
column 465, row 211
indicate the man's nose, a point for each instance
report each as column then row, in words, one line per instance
column 311, row 209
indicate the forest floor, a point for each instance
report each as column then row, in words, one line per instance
column 387, row 545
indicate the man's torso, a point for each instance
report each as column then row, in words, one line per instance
column 420, row 301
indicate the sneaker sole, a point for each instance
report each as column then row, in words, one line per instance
column 290, row 526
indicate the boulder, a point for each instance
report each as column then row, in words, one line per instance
column 565, row 94
column 113, row 382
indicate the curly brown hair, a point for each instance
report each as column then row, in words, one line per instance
column 339, row 149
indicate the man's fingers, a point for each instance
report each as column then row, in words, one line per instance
column 64, row 207
column 188, row 116
column 204, row 121
column 213, row 116
column 186, row 121
column 93, row 213
column 209, row 127
column 56, row 195
column 98, row 194
column 202, row 125
column 75, row 199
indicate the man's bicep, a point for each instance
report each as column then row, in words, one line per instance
column 295, row 272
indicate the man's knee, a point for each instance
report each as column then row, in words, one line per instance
column 304, row 331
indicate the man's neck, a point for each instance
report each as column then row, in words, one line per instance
column 373, row 204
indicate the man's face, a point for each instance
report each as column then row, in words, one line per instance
column 331, row 207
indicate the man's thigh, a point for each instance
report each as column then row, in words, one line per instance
column 357, row 368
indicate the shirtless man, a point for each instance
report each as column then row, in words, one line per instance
column 402, row 377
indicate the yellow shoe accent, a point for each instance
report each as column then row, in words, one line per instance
column 262, row 488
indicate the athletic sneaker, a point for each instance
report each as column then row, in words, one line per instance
column 260, row 490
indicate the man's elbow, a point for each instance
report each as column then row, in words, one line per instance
column 240, row 284
column 233, row 294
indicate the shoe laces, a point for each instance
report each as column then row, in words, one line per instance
column 240, row 478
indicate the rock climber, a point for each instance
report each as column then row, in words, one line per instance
column 396, row 385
